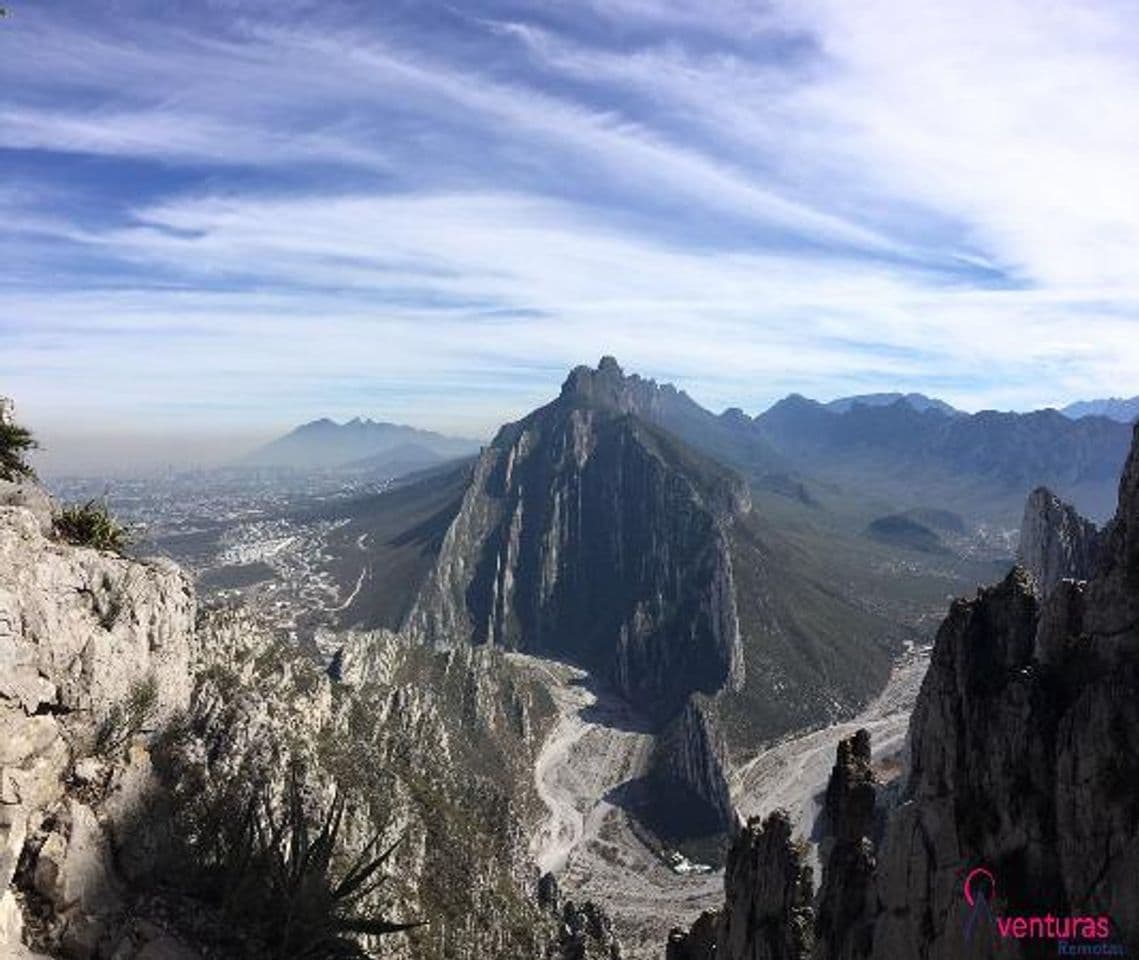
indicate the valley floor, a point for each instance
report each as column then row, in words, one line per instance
column 599, row 746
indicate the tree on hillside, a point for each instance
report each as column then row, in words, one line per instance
column 15, row 442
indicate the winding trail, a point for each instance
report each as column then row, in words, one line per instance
column 562, row 831
column 598, row 744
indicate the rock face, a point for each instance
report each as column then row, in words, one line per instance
column 767, row 914
column 1023, row 749
column 590, row 535
column 691, row 759
column 1056, row 543
column 846, row 898
column 83, row 634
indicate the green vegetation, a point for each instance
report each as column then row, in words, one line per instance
column 127, row 719
column 15, row 442
column 91, row 524
column 279, row 879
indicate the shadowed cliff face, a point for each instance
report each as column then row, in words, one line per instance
column 590, row 535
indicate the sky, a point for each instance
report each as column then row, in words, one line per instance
column 225, row 217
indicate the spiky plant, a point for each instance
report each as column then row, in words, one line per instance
column 283, row 878
column 15, row 442
column 92, row 524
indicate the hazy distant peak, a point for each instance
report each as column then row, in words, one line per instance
column 324, row 443
column 735, row 416
column 1123, row 409
column 918, row 401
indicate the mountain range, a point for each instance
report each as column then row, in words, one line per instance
column 981, row 465
column 907, row 449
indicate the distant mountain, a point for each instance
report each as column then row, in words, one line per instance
column 981, row 465
column 325, row 444
column 1114, row 408
column 919, row 401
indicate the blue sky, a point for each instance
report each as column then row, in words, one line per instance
column 233, row 215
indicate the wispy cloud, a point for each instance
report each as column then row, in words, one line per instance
column 391, row 211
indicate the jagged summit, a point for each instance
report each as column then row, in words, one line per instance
column 609, row 387
column 729, row 437
column 1056, row 543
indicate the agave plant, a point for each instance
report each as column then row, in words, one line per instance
column 92, row 525
column 306, row 909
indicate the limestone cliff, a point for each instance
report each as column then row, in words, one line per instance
column 589, row 534
column 93, row 647
column 1056, row 543
column 767, row 914
column 692, row 760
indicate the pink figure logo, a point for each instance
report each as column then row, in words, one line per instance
column 977, row 898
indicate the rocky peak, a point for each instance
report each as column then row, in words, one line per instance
column 848, row 808
column 842, row 927
column 609, row 388
column 1056, row 543
column 600, row 539
column 767, row 914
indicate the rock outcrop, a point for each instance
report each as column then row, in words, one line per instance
column 94, row 649
column 1056, row 543
column 1023, row 740
column 850, row 822
column 690, row 762
column 768, row 912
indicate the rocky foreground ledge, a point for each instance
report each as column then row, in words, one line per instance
column 150, row 751
column 83, row 635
